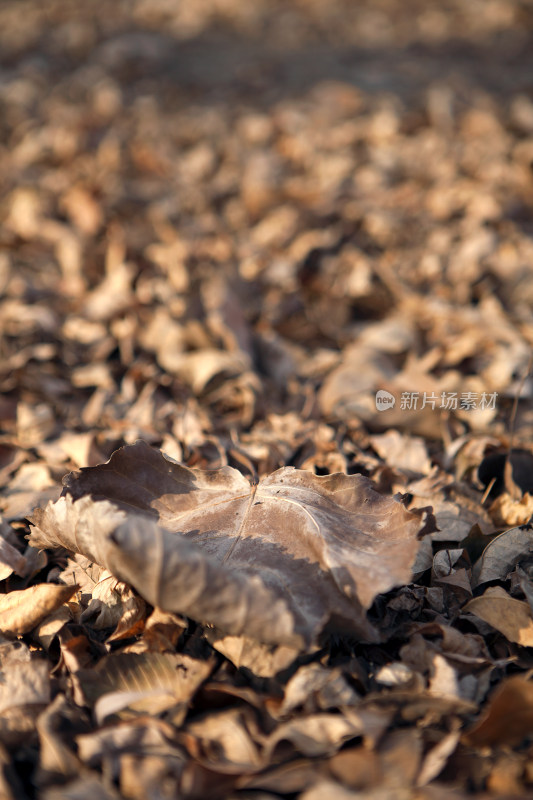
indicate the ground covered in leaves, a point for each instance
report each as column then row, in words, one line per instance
column 228, row 568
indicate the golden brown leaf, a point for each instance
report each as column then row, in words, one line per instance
column 509, row 616
column 21, row 611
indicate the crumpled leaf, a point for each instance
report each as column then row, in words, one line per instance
column 507, row 510
column 408, row 453
column 223, row 740
column 316, row 687
column 323, row 734
column 22, row 611
column 276, row 560
column 437, row 757
column 114, row 604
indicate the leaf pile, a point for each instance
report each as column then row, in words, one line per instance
column 225, row 572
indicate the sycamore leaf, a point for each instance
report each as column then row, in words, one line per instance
column 277, row 560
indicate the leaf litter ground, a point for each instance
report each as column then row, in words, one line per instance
column 226, row 570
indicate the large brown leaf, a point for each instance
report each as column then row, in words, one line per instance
column 276, row 560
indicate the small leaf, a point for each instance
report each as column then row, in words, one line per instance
column 22, row 611
column 507, row 615
column 502, row 553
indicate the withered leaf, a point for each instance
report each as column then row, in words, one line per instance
column 276, row 560
column 143, row 674
column 322, row 734
column 56, row 757
column 437, row 757
column 224, row 741
column 25, row 681
column 509, row 616
column 502, row 553
column 262, row 659
column 509, row 716
column 87, row 786
column 21, row 611
column 11, row 560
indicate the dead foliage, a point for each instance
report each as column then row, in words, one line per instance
column 231, row 234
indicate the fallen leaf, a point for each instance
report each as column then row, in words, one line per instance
column 434, row 761
column 355, row 767
column 115, row 605
column 21, row 611
column 501, row 555
column 162, row 631
column 57, row 757
column 509, row 716
column 222, row 739
column 316, row 549
column 262, row 659
column 508, row 616
column 141, row 682
column 315, row 687
column 25, row 680
column 11, row 560
column 406, row 453
column 509, row 510
column 138, row 735
column 324, row 734
column 293, row 776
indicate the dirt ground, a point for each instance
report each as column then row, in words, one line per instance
column 292, row 240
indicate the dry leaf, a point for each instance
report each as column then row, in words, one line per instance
column 314, row 548
column 315, row 687
column 22, row 611
column 502, row 554
column 509, row 616
column 324, row 734
column 224, row 741
column 509, row 717
column 435, row 760
column 113, row 604
column 263, row 660
column 162, row 631
column 25, row 680
column 407, row 453
column 509, row 510
column 11, row 560
column 56, row 756
column 141, row 682
column 223, row 234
